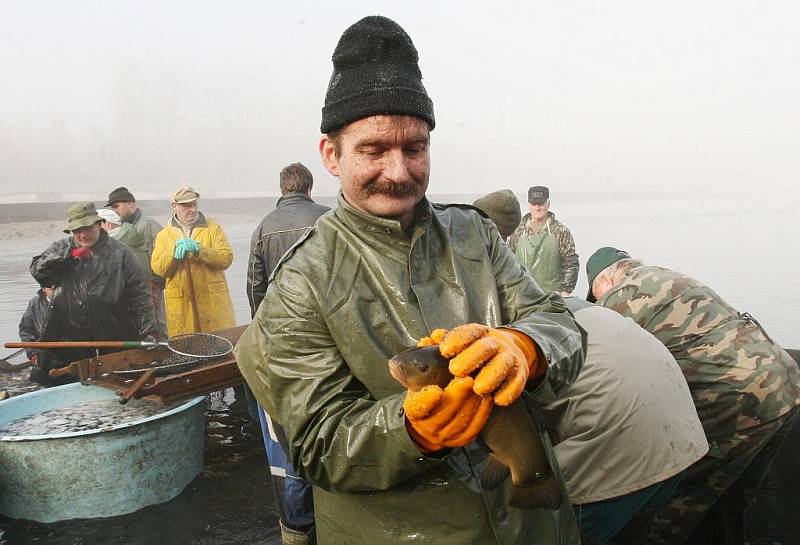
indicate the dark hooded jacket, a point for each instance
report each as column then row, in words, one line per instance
column 30, row 330
column 294, row 213
column 101, row 298
column 32, row 324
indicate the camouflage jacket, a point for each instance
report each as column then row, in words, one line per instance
column 739, row 378
column 566, row 248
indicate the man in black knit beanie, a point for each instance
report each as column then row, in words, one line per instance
column 376, row 275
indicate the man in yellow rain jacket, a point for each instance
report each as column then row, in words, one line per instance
column 192, row 253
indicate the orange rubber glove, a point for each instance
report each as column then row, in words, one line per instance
column 452, row 417
column 436, row 337
column 507, row 359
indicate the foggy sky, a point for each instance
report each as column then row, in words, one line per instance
column 581, row 96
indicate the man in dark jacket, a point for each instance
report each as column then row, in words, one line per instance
column 375, row 276
column 100, row 290
column 31, row 328
column 124, row 204
column 294, row 213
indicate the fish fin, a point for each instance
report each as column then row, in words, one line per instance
column 541, row 494
column 494, row 473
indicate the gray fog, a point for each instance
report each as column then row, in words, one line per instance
column 583, row 96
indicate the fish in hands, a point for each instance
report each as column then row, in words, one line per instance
column 510, row 432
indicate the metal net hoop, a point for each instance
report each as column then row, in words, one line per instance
column 200, row 345
column 15, row 361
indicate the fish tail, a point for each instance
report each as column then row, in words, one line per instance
column 544, row 494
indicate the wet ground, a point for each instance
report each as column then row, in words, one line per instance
column 230, row 502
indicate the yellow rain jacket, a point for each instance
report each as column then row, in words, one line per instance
column 208, row 287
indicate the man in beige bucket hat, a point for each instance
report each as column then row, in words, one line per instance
column 192, row 253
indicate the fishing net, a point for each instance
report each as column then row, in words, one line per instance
column 187, row 350
column 200, row 345
column 15, row 361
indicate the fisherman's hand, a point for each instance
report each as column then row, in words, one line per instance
column 505, row 358
column 180, row 249
column 435, row 338
column 81, row 253
column 192, row 246
column 452, row 417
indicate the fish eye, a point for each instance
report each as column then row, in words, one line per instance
column 423, row 367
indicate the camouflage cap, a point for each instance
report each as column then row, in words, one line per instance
column 184, row 195
column 601, row 259
column 81, row 214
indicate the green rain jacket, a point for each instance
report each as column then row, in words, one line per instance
column 352, row 293
column 127, row 235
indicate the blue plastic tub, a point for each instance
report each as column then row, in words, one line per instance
column 96, row 473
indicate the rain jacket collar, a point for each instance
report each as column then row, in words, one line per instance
column 292, row 198
column 133, row 218
column 199, row 222
column 358, row 220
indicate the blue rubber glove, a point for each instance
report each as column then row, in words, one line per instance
column 180, row 249
column 192, row 246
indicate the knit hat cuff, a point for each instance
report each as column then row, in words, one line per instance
column 377, row 101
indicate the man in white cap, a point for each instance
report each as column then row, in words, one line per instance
column 192, row 253
column 126, row 234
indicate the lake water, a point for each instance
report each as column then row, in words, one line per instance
column 742, row 246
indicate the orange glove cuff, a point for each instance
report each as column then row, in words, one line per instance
column 537, row 366
column 422, row 444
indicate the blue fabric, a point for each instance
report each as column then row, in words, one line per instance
column 298, row 497
column 602, row 520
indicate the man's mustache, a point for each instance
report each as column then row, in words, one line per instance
column 393, row 189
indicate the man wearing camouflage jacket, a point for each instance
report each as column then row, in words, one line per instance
column 745, row 388
column 544, row 246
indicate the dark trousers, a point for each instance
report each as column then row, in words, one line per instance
column 709, row 505
column 725, row 522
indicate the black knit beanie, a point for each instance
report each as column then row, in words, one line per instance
column 375, row 72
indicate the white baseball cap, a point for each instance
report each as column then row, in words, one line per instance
column 109, row 215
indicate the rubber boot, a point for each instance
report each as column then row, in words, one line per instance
column 297, row 537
